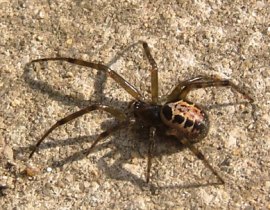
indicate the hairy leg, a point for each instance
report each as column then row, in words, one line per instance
column 154, row 73
column 111, row 73
column 184, row 87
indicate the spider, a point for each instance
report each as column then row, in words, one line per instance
column 177, row 117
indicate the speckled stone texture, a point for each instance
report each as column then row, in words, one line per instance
column 229, row 39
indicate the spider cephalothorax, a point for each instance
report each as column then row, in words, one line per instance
column 177, row 117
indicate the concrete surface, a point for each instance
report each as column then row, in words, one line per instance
column 229, row 39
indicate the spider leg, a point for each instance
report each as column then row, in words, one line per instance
column 154, row 70
column 154, row 73
column 150, row 152
column 184, row 87
column 116, row 113
column 200, row 156
column 107, row 133
column 111, row 73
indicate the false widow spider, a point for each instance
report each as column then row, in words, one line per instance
column 188, row 123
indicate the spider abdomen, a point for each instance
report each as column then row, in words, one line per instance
column 185, row 118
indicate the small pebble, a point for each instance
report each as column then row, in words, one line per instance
column 49, row 169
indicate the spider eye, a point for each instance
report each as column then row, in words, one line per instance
column 138, row 105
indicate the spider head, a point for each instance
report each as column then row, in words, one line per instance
column 147, row 113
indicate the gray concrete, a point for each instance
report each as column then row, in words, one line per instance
column 229, row 40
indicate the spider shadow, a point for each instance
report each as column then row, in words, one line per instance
column 19, row 151
column 55, row 95
column 116, row 171
column 164, row 146
column 69, row 100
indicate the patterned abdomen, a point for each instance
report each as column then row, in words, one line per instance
column 186, row 118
